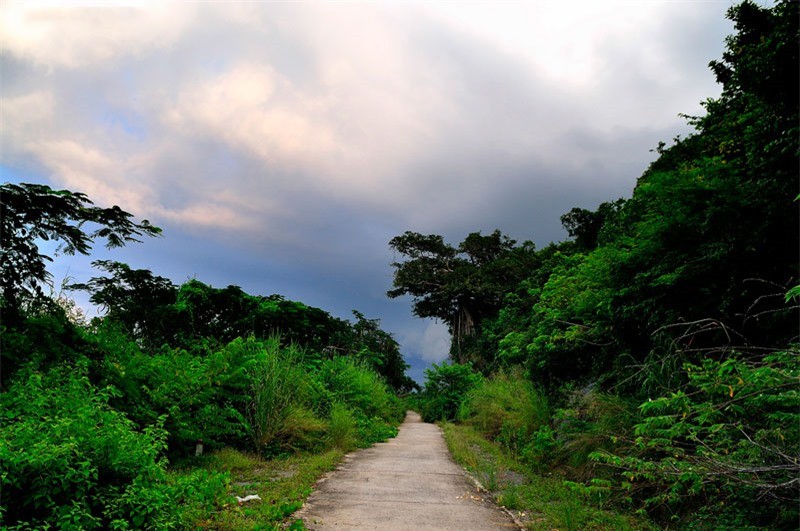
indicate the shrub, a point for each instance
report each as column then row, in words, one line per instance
column 342, row 427
column 364, row 410
column 591, row 422
column 43, row 337
column 301, row 430
column 372, row 430
column 540, row 447
column 446, row 385
column 69, row 460
column 200, row 397
column 722, row 448
column 361, row 389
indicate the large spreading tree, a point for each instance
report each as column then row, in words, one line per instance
column 461, row 286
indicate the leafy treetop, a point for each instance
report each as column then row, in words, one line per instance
column 460, row 285
column 32, row 213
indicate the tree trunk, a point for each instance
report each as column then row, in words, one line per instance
column 464, row 327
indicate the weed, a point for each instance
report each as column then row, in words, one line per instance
column 232, row 460
column 510, row 498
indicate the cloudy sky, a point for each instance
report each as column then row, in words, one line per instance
column 281, row 145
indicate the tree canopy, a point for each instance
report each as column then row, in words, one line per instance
column 460, row 285
column 32, row 213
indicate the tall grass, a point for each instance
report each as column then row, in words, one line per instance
column 358, row 386
column 506, row 408
column 342, row 430
column 591, row 421
column 278, row 393
column 539, row 502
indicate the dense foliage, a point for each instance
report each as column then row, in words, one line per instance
column 85, row 442
column 446, row 385
column 94, row 413
column 72, row 461
column 661, row 332
column 195, row 315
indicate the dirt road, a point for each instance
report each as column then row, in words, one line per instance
column 408, row 483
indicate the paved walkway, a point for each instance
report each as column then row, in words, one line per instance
column 409, row 482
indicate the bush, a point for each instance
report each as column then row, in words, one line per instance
column 200, row 397
column 446, row 385
column 363, row 408
column 372, row 430
column 69, row 460
column 361, row 389
column 591, row 422
column 42, row 337
column 301, row 430
column 251, row 394
column 723, row 447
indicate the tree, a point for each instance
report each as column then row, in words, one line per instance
column 584, row 226
column 711, row 229
column 461, row 285
column 710, row 232
column 427, row 274
column 712, row 225
column 32, row 213
column 446, row 385
column 134, row 298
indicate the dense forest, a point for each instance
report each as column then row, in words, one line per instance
column 649, row 361
column 652, row 357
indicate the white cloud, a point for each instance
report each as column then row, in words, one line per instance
column 255, row 109
column 81, row 34
column 565, row 40
column 89, row 170
column 25, row 116
column 434, row 345
column 209, row 214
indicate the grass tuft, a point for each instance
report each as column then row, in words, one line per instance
column 342, row 428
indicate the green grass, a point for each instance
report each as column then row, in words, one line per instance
column 283, row 485
column 539, row 502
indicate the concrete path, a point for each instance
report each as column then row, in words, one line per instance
column 409, row 482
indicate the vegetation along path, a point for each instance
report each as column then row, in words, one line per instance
column 409, row 482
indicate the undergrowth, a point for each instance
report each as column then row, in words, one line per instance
column 539, row 502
